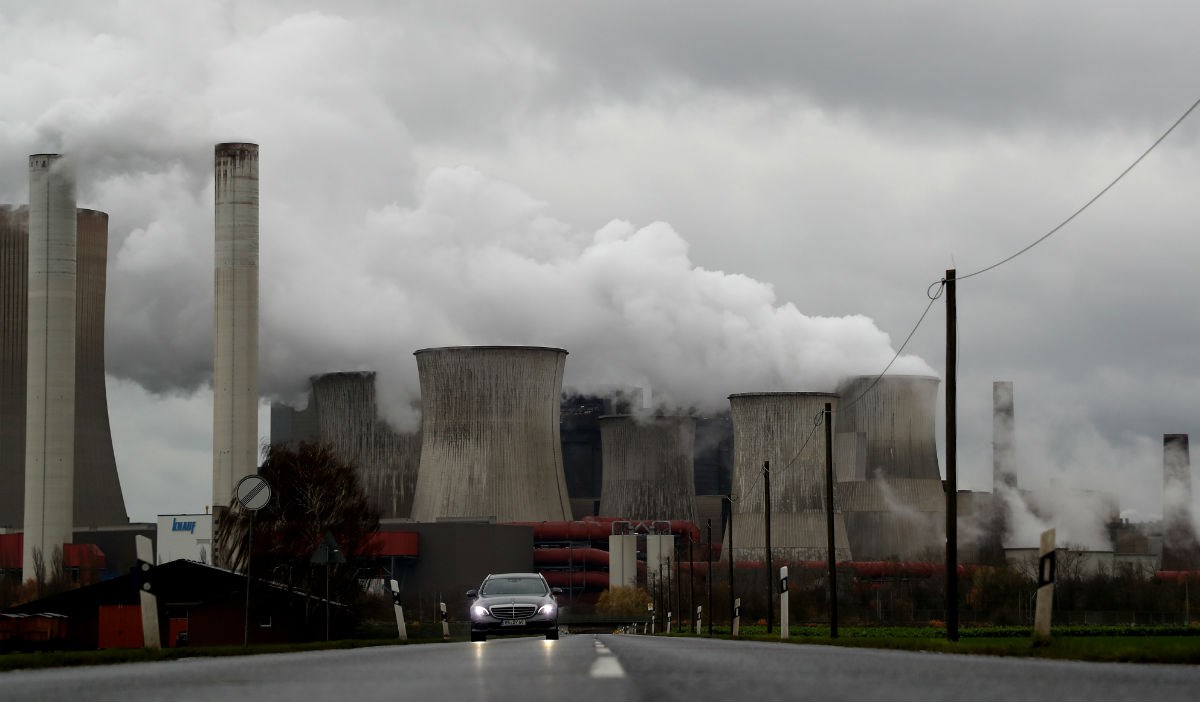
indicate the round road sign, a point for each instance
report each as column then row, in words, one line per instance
column 253, row 492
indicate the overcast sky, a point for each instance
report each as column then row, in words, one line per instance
column 703, row 197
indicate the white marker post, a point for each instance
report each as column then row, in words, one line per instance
column 650, row 609
column 698, row 617
column 445, row 622
column 783, row 603
column 1045, row 591
column 669, row 623
column 400, row 627
column 151, row 638
column 737, row 615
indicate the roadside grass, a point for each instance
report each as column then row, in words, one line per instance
column 1127, row 644
column 58, row 659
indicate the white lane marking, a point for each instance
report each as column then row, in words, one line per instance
column 607, row 667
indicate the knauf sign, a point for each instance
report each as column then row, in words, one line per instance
column 189, row 527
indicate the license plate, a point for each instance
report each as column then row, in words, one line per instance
column 513, row 622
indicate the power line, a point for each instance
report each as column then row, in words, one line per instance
column 1089, row 203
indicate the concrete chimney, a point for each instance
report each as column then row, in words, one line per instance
column 1180, row 548
column 1004, row 441
column 50, row 379
column 235, row 354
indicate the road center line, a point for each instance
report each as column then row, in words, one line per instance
column 607, row 667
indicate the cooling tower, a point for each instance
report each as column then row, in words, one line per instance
column 348, row 421
column 1180, row 548
column 490, row 434
column 14, row 345
column 235, row 353
column 897, row 418
column 98, row 498
column 779, row 427
column 50, row 363
column 648, row 467
column 97, row 492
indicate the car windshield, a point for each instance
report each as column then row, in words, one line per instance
column 513, row 586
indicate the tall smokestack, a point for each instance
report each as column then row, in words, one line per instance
column 235, row 355
column 50, row 385
column 1180, row 547
column 1004, row 442
column 490, row 442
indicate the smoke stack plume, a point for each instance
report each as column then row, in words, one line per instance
column 235, row 354
column 50, row 386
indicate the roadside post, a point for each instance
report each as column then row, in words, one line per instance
column 650, row 609
column 698, row 618
column 737, row 616
column 669, row 622
column 327, row 553
column 144, row 577
column 445, row 622
column 401, row 628
column 1045, row 591
column 783, row 603
column 253, row 493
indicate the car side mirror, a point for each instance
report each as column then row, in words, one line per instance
column 472, row 594
column 556, row 590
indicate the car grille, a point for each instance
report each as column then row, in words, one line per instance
column 513, row 611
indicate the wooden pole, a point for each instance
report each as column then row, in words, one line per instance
column 951, row 459
column 831, row 543
column 770, row 565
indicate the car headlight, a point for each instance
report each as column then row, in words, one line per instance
column 547, row 608
column 479, row 611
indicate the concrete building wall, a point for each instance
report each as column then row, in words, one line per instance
column 648, row 467
column 50, row 373
column 898, row 417
column 98, row 500
column 490, row 442
column 235, row 355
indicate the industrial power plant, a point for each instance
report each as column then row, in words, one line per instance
column 533, row 474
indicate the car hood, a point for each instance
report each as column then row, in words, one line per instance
column 490, row 600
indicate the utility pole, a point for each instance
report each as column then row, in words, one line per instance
column 951, row 459
column 708, row 576
column 732, row 602
column 770, row 566
column 831, row 544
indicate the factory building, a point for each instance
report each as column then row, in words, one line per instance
column 76, row 473
column 490, row 444
column 343, row 414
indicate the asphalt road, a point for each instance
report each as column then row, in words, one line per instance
column 610, row 668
